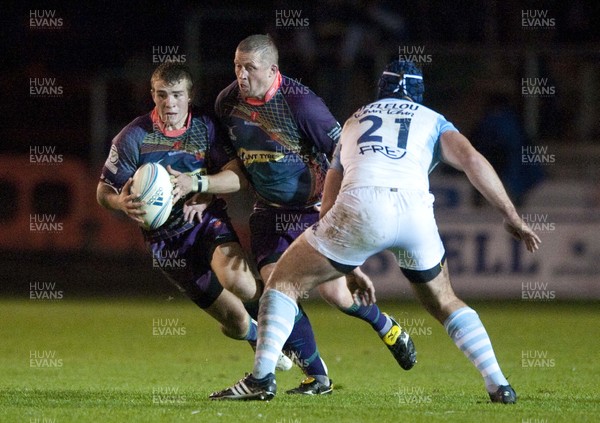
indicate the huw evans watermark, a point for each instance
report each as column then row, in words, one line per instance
column 291, row 19
column 161, row 54
column 415, row 327
column 539, row 222
column 44, row 155
column 45, row 87
column 412, row 395
column 294, row 288
column 291, row 156
column 300, row 362
column 167, row 259
column 536, row 358
column 44, row 291
column 44, row 223
column 537, row 87
column 416, row 54
column 293, row 87
column 285, row 222
column 45, row 19
column 168, row 327
column 537, row 291
column 537, row 154
column 43, row 419
column 166, row 395
column 44, row 359
column 537, row 19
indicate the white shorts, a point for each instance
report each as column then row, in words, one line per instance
column 365, row 221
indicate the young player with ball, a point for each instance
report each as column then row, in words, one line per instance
column 216, row 275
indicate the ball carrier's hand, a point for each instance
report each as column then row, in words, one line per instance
column 126, row 201
column 195, row 206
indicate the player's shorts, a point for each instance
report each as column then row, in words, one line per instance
column 272, row 230
column 185, row 258
column 365, row 221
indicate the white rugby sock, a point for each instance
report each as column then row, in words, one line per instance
column 275, row 322
column 469, row 335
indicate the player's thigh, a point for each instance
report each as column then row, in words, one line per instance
column 230, row 265
column 301, row 268
column 229, row 310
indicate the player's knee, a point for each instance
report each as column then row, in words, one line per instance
column 241, row 283
column 246, row 289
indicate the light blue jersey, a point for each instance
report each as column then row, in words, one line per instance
column 390, row 143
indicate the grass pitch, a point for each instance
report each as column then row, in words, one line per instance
column 158, row 360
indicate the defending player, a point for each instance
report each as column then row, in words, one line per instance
column 376, row 198
column 284, row 134
column 216, row 275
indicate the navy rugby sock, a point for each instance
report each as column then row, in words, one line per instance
column 372, row 315
column 252, row 333
column 301, row 347
column 284, row 326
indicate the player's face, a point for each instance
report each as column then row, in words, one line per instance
column 172, row 102
column 254, row 74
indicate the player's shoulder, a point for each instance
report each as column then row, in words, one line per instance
column 136, row 129
column 302, row 101
column 296, row 92
column 203, row 115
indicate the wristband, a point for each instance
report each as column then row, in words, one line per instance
column 194, row 184
column 202, row 183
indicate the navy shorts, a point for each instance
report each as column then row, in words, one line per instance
column 272, row 230
column 185, row 258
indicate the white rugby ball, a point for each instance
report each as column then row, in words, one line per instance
column 152, row 185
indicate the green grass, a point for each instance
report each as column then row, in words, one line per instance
column 108, row 366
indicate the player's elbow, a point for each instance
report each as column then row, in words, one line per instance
column 99, row 197
column 471, row 160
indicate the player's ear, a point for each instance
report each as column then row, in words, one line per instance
column 274, row 68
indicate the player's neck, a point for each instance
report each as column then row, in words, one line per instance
column 259, row 101
column 171, row 130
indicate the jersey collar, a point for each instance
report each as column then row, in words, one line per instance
column 170, row 133
column 268, row 95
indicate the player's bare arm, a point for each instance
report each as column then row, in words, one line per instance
column 124, row 201
column 229, row 179
column 458, row 152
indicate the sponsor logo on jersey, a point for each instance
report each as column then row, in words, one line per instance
column 259, row 156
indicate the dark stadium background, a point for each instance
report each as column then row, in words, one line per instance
column 102, row 56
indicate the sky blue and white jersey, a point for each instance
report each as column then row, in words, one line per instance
column 390, row 143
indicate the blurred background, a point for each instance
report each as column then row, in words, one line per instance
column 520, row 78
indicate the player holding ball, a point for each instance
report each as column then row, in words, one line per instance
column 216, row 275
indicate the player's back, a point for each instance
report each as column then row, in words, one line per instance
column 391, row 143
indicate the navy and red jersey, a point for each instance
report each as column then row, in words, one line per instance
column 191, row 150
column 284, row 142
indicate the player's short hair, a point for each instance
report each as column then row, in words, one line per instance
column 262, row 44
column 172, row 72
column 401, row 79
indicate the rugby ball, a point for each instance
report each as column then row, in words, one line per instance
column 152, row 186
